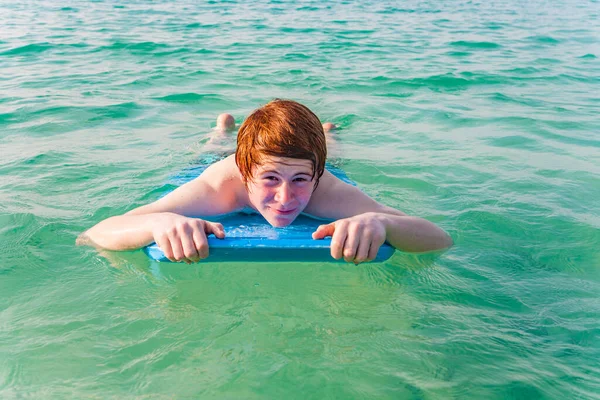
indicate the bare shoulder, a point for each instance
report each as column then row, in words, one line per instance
column 216, row 191
column 220, row 175
column 336, row 199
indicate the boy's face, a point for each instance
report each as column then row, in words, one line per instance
column 281, row 189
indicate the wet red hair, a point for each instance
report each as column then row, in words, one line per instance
column 281, row 128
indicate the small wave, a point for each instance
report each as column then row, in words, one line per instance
column 287, row 29
column 83, row 113
column 32, row 48
column 199, row 25
column 550, row 78
column 307, row 8
column 395, row 95
column 440, row 82
column 588, row 56
column 247, row 45
column 50, row 158
column 544, row 39
column 579, row 78
column 65, row 115
column 495, row 25
column 204, row 51
column 545, row 60
column 458, row 53
column 475, row 44
column 338, row 45
column 199, row 72
column 349, row 32
column 296, row 56
column 567, row 129
column 141, row 47
column 520, row 100
column 394, row 10
column 514, row 141
column 187, row 97
column 526, row 70
column 548, row 128
column 8, row 117
column 172, row 51
column 22, row 226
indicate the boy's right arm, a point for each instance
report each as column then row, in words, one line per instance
column 168, row 222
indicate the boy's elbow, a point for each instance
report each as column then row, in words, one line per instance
column 440, row 239
column 83, row 240
column 447, row 242
column 92, row 239
column 87, row 239
column 101, row 243
column 443, row 243
column 435, row 243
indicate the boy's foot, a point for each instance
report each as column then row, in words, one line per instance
column 333, row 150
column 329, row 126
column 225, row 122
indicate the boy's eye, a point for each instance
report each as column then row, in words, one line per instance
column 300, row 179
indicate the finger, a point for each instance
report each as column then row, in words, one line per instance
column 373, row 250
column 376, row 243
column 323, row 231
column 337, row 241
column 170, row 250
column 165, row 246
column 177, row 249
column 362, row 253
column 189, row 247
column 214, row 228
column 201, row 244
column 351, row 244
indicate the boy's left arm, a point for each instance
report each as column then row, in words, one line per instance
column 362, row 224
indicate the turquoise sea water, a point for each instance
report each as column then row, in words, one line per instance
column 482, row 117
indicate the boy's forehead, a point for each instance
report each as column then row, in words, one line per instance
column 272, row 162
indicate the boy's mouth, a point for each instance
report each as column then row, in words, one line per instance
column 284, row 212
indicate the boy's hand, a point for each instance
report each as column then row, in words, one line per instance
column 357, row 238
column 183, row 238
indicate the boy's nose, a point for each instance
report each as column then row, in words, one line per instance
column 284, row 194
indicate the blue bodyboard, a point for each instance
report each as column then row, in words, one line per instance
column 250, row 238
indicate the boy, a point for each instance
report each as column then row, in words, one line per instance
column 278, row 170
